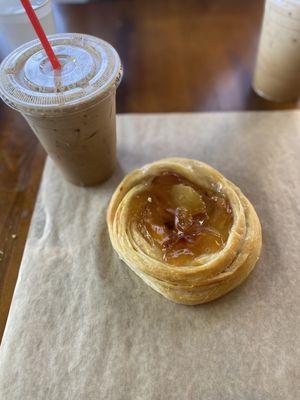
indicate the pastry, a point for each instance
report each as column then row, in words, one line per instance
column 185, row 229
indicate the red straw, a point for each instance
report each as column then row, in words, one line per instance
column 41, row 34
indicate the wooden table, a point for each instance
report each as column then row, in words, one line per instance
column 178, row 55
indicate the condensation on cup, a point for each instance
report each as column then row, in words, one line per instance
column 15, row 27
column 71, row 110
column 277, row 70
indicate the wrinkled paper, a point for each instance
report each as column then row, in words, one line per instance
column 82, row 325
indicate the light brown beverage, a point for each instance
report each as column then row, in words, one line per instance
column 71, row 110
column 277, row 70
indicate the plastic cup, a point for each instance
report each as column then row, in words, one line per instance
column 277, row 69
column 71, row 110
column 15, row 26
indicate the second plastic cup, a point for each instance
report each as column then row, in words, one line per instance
column 14, row 25
column 277, row 70
column 71, row 110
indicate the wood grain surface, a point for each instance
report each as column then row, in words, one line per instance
column 192, row 55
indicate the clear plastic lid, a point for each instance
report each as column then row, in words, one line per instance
column 91, row 69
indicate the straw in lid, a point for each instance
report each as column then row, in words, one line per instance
column 91, row 69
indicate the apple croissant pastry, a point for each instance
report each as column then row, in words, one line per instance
column 185, row 229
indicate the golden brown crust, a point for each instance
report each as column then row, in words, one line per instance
column 204, row 280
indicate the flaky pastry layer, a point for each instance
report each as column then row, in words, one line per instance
column 202, row 281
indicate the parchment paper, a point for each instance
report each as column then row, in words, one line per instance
column 83, row 326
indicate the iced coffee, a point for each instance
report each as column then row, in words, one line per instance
column 71, row 110
column 277, row 68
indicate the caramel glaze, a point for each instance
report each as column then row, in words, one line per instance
column 181, row 219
